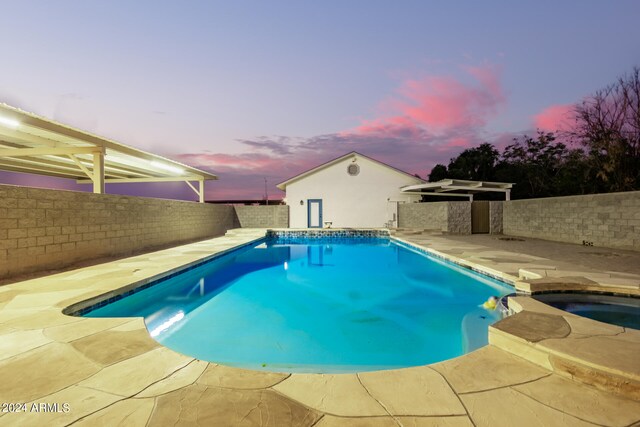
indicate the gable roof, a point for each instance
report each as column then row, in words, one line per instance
column 283, row 185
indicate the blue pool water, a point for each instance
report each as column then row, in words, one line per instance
column 617, row 310
column 318, row 305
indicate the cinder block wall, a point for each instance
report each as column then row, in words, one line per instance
column 449, row 217
column 428, row 216
column 276, row 216
column 42, row 229
column 495, row 217
column 607, row 220
column 459, row 217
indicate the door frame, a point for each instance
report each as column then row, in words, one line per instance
column 309, row 201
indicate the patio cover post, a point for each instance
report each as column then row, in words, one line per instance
column 98, row 172
column 201, row 192
column 507, row 195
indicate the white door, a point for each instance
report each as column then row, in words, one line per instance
column 314, row 213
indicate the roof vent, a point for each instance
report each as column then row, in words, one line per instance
column 353, row 169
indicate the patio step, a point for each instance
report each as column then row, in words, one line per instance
column 601, row 360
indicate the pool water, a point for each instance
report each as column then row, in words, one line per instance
column 617, row 310
column 318, row 305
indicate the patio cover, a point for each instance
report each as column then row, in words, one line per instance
column 34, row 144
column 458, row 188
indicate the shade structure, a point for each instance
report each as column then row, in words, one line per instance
column 459, row 188
column 33, row 144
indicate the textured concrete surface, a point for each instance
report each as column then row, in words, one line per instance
column 566, row 257
column 110, row 372
column 495, row 217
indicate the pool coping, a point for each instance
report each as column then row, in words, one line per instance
column 82, row 307
column 367, row 395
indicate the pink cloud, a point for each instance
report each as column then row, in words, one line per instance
column 556, row 118
column 225, row 161
column 441, row 103
column 459, row 143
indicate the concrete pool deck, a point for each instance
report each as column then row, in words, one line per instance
column 538, row 370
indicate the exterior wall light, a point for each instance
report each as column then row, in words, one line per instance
column 301, row 202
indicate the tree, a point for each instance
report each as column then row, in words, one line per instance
column 535, row 164
column 575, row 175
column 608, row 125
column 438, row 172
column 475, row 164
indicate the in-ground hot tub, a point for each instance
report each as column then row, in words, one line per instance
column 617, row 310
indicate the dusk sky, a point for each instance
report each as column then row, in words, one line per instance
column 254, row 90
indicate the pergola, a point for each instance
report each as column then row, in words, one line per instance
column 458, row 188
column 34, row 144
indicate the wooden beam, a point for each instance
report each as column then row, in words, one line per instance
column 98, row 173
column 195, row 190
column 17, row 136
column 40, row 171
column 41, row 164
column 157, row 179
column 45, row 151
column 81, row 166
column 437, row 194
column 199, row 191
column 474, row 189
column 56, row 164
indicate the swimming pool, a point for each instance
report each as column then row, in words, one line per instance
column 323, row 305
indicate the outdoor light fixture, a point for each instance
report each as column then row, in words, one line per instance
column 167, row 167
column 301, row 202
column 9, row 122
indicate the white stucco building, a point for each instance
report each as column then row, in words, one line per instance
column 351, row 191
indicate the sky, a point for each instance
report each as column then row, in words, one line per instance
column 254, row 90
